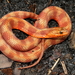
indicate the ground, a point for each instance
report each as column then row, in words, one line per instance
column 65, row 50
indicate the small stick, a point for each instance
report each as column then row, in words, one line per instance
column 8, row 1
column 49, row 2
column 64, row 67
column 50, row 70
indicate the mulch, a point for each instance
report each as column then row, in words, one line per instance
column 65, row 50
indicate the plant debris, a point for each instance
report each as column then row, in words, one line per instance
column 66, row 49
column 5, row 62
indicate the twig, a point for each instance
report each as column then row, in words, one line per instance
column 50, row 70
column 50, row 2
column 26, row 2
column 64, row 67
column 33, row 7
column 8, row 1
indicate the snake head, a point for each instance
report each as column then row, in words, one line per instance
column 58, row 32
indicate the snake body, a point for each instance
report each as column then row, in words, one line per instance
column 41, row 36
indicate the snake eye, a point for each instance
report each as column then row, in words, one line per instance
column 61, row 32
column 32, row 50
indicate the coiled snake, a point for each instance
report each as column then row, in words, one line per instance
column 41, row 36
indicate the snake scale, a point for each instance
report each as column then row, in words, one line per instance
column 40, row 35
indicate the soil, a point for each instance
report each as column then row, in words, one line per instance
column 65, row 50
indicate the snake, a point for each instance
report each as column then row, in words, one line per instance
column 40, row 35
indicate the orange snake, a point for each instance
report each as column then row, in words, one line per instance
column 41, row 36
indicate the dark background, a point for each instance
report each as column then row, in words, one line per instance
column 64, row 50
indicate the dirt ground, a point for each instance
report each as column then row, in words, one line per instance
column 65, row 50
